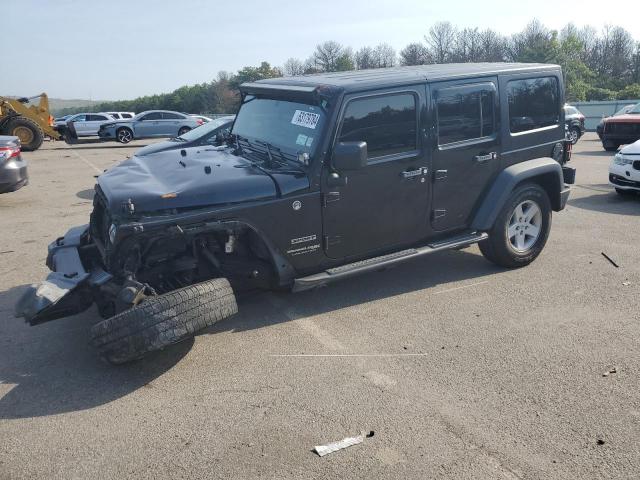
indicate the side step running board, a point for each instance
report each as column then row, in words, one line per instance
column 375, row 263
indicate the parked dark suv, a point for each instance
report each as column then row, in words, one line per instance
column 328, row 176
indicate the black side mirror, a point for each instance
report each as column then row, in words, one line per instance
column 350, row 155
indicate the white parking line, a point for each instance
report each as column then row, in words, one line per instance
column 377, row 355
column 86, row 161
column 459, row 288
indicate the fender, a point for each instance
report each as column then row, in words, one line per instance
column 544, row 171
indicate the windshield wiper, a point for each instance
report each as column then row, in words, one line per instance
column 283, row 161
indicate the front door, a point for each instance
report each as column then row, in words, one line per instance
column 385, row 203
column 466, row 148
column 148, row 125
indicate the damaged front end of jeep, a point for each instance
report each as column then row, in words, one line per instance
column 116, row 261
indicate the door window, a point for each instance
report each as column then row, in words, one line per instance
column 96, row 118
column 465, row 113
column 152, row 116
column 79, row 118
column 533, row 103
column 387, row 123
column 171, row 116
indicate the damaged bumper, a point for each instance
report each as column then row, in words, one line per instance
column 67, row 290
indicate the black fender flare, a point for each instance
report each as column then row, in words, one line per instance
column 544, row 171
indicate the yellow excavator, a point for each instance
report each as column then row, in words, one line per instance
column 30, row 123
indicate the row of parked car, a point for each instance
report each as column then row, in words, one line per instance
column 13, row 168
column 127, row 126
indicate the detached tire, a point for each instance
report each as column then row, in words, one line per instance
column 163, row 320
column 28, row 131
column 521, row 229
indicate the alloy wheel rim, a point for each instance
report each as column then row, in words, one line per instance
column 524, row 226
column 573, row 136
column 124, row 136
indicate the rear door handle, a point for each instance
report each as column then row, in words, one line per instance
column 485, row 157
column 414, row 173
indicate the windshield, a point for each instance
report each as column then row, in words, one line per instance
column 635, row 109
column 290, row 126
column 205, row 129
column 571, row 110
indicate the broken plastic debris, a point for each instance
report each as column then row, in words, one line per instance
column 323, row 450
column 610, row 371
column 626, row 284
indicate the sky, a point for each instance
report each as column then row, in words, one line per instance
column 121, row 49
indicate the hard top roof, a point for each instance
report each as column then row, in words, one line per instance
column 384, row 77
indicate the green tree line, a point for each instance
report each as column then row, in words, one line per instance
column 601, row 65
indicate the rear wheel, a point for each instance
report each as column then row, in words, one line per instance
column 610, row 146
column 574, row 135
column 163, row 320
column 124, row 135
column 183, row 130
column 521, row 229
column 28, row 131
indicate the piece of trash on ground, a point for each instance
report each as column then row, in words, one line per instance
column 609, row 258
column 626, row 284
column 323, row 450
column 610, row 371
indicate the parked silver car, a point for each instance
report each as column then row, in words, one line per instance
column 86, row 124
column 152, row 123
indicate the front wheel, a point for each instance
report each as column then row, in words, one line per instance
column 521, row 229
column 124, row 135
column 160, row 321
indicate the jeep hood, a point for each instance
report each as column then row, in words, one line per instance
column 202, row 177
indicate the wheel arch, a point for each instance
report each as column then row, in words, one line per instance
column 545, row 172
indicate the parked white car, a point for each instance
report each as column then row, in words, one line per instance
column 86, row 124
column 624, row 171
column 122, row 115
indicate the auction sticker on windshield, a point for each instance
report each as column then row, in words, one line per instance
column 305, row 119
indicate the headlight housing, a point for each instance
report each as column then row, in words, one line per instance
column 112, row 233
column 620, row 159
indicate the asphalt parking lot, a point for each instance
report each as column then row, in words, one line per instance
column 462, row 369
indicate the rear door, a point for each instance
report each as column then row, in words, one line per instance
column 385, row 203
column 467, row 148
column 171, row 123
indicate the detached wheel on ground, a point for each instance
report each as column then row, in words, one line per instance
column 163, row 320
column 183, row 130
column 28, row 131
column 521, row 229
column 124, row 135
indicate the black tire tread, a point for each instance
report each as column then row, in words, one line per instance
column 163, row 320
column 495, row 248
column 38, row 134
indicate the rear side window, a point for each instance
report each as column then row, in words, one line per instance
column 465, row 113
column 171, row 116
column 533, row 103
column 387, row 123
column 96, row 118
column 126, row 115
column 152, row 116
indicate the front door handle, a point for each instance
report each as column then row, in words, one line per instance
column 485, row 157
column 414, row 173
